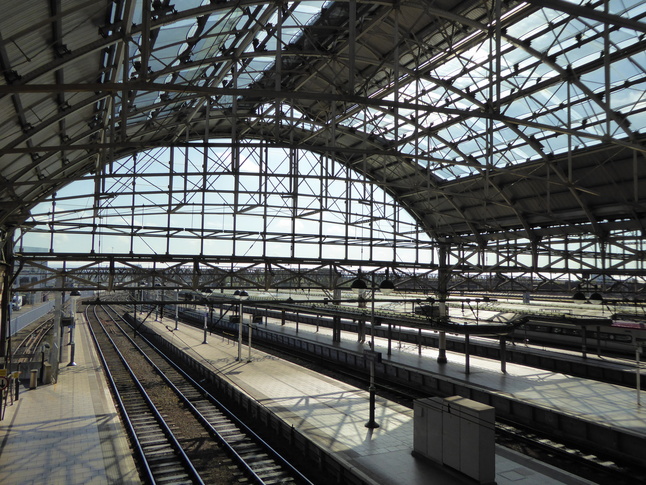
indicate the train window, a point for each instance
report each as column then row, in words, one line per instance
column 606, row 336
column 623, row 338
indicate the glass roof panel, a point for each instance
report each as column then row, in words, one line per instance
column 526, row 76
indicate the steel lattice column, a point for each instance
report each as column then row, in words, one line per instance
column 442, row 290
column 6, row 279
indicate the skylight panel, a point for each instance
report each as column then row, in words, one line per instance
column 628, row 8
column 638, row 118
column 459, row 82
column 528, row 26
column 448, row 69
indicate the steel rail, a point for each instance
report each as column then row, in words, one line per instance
column 245, row 429
column 193, row 474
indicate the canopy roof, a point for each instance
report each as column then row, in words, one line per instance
column 485, row 119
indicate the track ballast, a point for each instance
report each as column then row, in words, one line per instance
column 218, row 448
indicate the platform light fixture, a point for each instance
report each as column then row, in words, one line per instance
column 176, row 308
column 74, row 294
column 206, row 313
column 240, row 295
column 206, row 291
column 360, row 287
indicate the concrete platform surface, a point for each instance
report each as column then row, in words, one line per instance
column 593, row 400
column 67, row 433
column 333, row 415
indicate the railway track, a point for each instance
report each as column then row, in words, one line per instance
column 527, row 441
column 30, row 343
column 25, row 352
column 182, row 433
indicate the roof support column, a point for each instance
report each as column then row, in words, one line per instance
column 442, row 290
column 352, row 33
column 6, row 277
column 56, row 350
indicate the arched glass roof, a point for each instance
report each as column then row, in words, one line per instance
column 484, row 120
column 253, row 202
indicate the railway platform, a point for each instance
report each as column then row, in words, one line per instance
column 332, row 414
column 67, row 433
column 614, row 405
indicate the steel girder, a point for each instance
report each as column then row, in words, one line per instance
column 484, row 131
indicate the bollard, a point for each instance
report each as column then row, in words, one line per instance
column 48, row 373
column 72, row 347
column 33, row 379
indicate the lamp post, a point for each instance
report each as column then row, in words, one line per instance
column 241, row 295
column 156, row 293
column 249, row 341
column 176, row 308
column 75, row 295
column 386, row 287
column 206, row 313
column 360, row 287
column 638, row 353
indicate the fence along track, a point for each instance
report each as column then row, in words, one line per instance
column 258, row 461
column 162, row 458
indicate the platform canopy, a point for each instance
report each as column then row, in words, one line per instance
column 486, row 120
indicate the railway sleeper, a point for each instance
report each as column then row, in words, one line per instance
column 206, row 412
column 150, row 432
column 264, row 462
column 267, row 473
column 275, row 481
column 175, row 477
column 176, row 468
column 168, row 461
column 134, row 403
column 249, row 453
column 230, row 430
column 225, row 429
column 166, row 467
column 213, row 413
column 143, row 420
column 161, row 449
column 239, row 441
column 205, row 407
column 173, row 481
column 223, row 424
column 245, row 444
column 151, row 439
column 278, row 480
column 218, row 416
column 249, row 458
column 191, row 394
column 212, row 418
